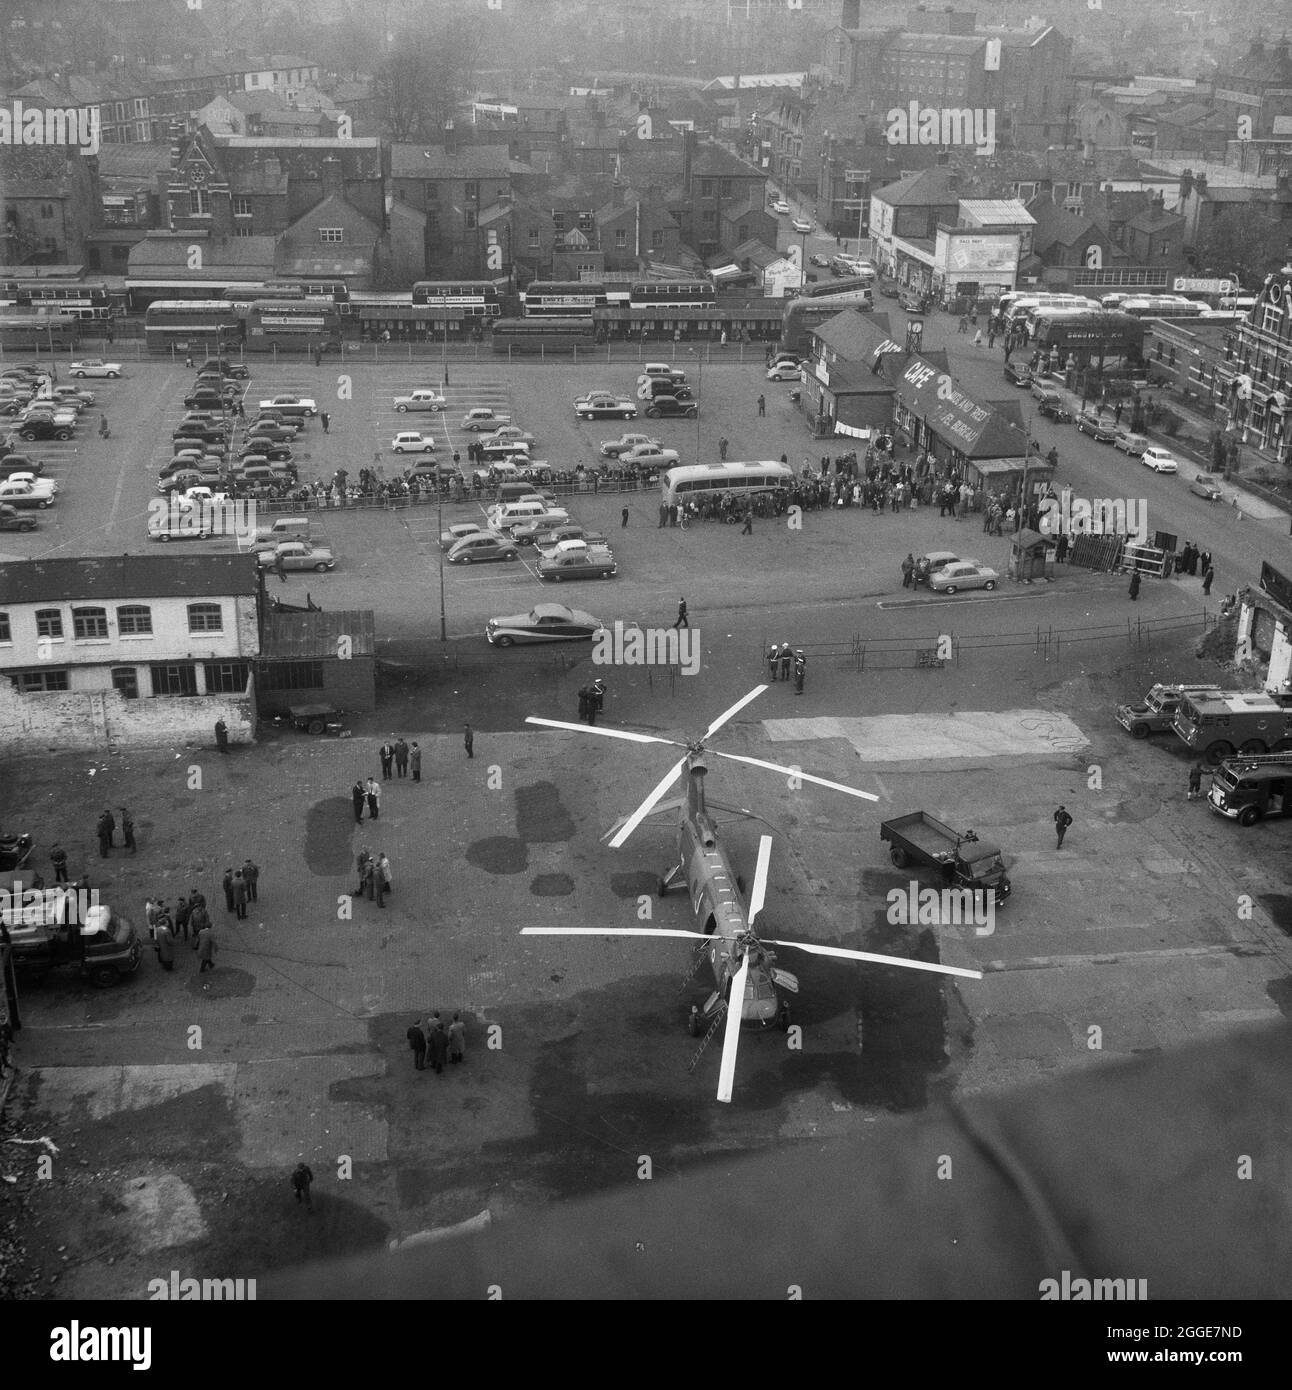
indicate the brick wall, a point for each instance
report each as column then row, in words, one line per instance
column 103, row 718
column 349, row 685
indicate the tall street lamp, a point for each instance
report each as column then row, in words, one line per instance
column 439, row 541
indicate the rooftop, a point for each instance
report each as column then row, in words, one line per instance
column 129, row 576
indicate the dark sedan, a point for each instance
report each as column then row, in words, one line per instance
column 663, row 407
column 38, row 428
column 1050, row 404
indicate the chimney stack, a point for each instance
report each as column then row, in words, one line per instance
column 332, row 180
column 450, row 139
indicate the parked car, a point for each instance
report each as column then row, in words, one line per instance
column 225, row 367
column 890, row 289
column 95, row 366
column 1159, row 460
column 1041, row 384
column 291, row 405
column 74, row 396
column 508, row 434
column 412, row 442
column 297, row 555
column 1101, row 428
column 545, row 622
column 526, row 532
column 482, row 419
column 670, row 407
column 822, row 261
column 613, row 448
column 421, row 399
column 785, row 371
column 1052, row 406
column 459, row 531
column 181, row 480
column 781, row 206
column 273, row 428
column 801, row 224
column 1207, row 485
column 577, row 560
column 911, row 301
column 650, row 456
column 604, row 405
column 262, row 444
column 20, row 492
column 20, row 463
column 962, row 575
column 1019, row 373
column 1132, row 444
column 479, row 549
column 194, row 463
column 11, row 519
column 38, row 428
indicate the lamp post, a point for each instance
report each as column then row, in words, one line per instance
column 439, row 511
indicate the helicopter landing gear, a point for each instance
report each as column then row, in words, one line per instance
column 695, row 1021
column 670, row 880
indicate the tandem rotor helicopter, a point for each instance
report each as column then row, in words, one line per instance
column 743, row 967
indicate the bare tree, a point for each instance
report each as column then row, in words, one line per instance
column 427, row 76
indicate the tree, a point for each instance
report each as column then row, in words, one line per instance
column 1250, row 246
column 427, row 76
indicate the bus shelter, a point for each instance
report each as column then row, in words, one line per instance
column 1031, row 556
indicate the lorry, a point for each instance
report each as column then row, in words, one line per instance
column 962, row 859
column 1220, row 723
column 1154, row 713
column 1249, row 789
column 52, row 927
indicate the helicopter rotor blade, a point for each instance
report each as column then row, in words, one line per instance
column 626, row 734
column 795, row 772
column 611, row 931
column 731, row 1038
column 648, row 805
column 732, row 712
column 838, row 951
column 759, row 891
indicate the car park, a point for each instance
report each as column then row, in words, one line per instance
column 1207, row 485
column 548, row 536
column 272, row 428
column 545, row 622
column 73, row 396
column 422, row 399
column 95, row 366
column 459, row 531
column 47, row 408
column 19, row 492
column 1159, row 460
column 193, row 463
column 1019, row 373
column 38, row 428
column 291, row 405
column 205, row 400
column 412, row 442
column 267, row 475
column 963, row 574
column 604, row 405
column 297, row 555
column 482, row 548
column 1101, row 428
column 785, row 371
column 1129, row 443
column 650, row 456
column 1050, row 404
column 801, row 224
column 670, row 407
column 11, row 519
column 612, row 448
column 662, row 369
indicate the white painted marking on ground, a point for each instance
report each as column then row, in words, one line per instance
column 1125, row 957
column 890, row 738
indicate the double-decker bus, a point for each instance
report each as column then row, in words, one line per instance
column 472, row 298
column 543, row 334
column 336, row 291
column 141, row 293
column 690, row 482
column 1105, row 333
column 818, row 303
column 672, row 294
column 563, row 299
column 83, row 299
column 39, row 332
column 292, row 325
column 204, row 326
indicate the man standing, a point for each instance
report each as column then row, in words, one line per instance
column 457, row 1039
column 1195, row 781
column 374, row 799
column 358, row 794
column 438, row 1045
column 748, row 528
column 415, row 759
column 787, row 660
column 165, row 943
column 127, row 831
column 468, row 740
column 908, row 570
column 663, row 515
column 596, row 699
column 1061, row 822
column 221, row 735
column 583, row 704
column 301, row 1179
column 773, row 660
column 682, row 620
column 58, row 858
column 325, row 420
column 722, row 449
column 227, row 884
column 199, row 919
column 106, row 828
column 385, row 880
column 401, row 757
column 800, row 671
column 1208, row 578
column 183, row 911
column 387, row 755
column 1134, row 586
column 623, row 517
column 417, row 1042
column 240, row 896
column 204, row 945
column 762, row 405
column 251, row 877
column 279, row 568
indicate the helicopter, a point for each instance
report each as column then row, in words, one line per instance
column 743, row 966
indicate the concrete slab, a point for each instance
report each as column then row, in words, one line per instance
column 969, row 734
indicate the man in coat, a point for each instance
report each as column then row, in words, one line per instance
column 401, row 757
column 457, row 1039
column 199, row 919
column 374, row 799
column 227, row 884
column 387, row 755
column 417, row 1041
column 165, row 945
column 438, row 1046
column 240, row 896
column 106, row 828
column 415, row 760
column 358, row 795
column 251, row 877
column 204, row 945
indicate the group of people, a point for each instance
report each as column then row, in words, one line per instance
column 189, row 917
column 785, row 662
column 375, row 877
column 106, row 830
column 400, row 756
column 432, row 1044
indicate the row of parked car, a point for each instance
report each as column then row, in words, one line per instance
column 35, row 408
column 565, row 550
column 662, row 390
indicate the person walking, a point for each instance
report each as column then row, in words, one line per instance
column 279, row 568
column 623, row 517
column 183, row 911
column 240, row 896
column 106, row 828
column 58, row 858
column 748, row 528
column 468, row 740
column 387, row 754
column 1134, row 586
column 1208, row 578
column 302, row 1177
column 1195, row 781
column 221, row 735
column 800, row 671
column 127, row 831
column 374, row 799
column 722, row 449
column 384, row 879
column 204, row 945
column 908, row 571
column 762, row 405
column 682, row 621
column 457, row 1039
column 417, row 1042
column 437, row 1044
column 358, row 794
column 401, row 757
column 325, row 420
column 251, row 877
column 165, row 945
column 199, row 919
column 227, row 884
column 415, row 760
column 1061, row 822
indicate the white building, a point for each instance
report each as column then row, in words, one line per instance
column 129, row 649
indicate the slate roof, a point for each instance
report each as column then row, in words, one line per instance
column 435, row 162
column 127, row 577
column 931, row 187
column 315, row 636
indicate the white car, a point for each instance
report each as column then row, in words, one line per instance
column 963, row 574
column 412, row 442
column 32, row 480
column 424, row 399
column 508, row 434
column 1159, row 460
column 785, row 371
column 801, row 224
column 649, row 455
column 293, row 405
column 781, row 206
column 95, row 366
